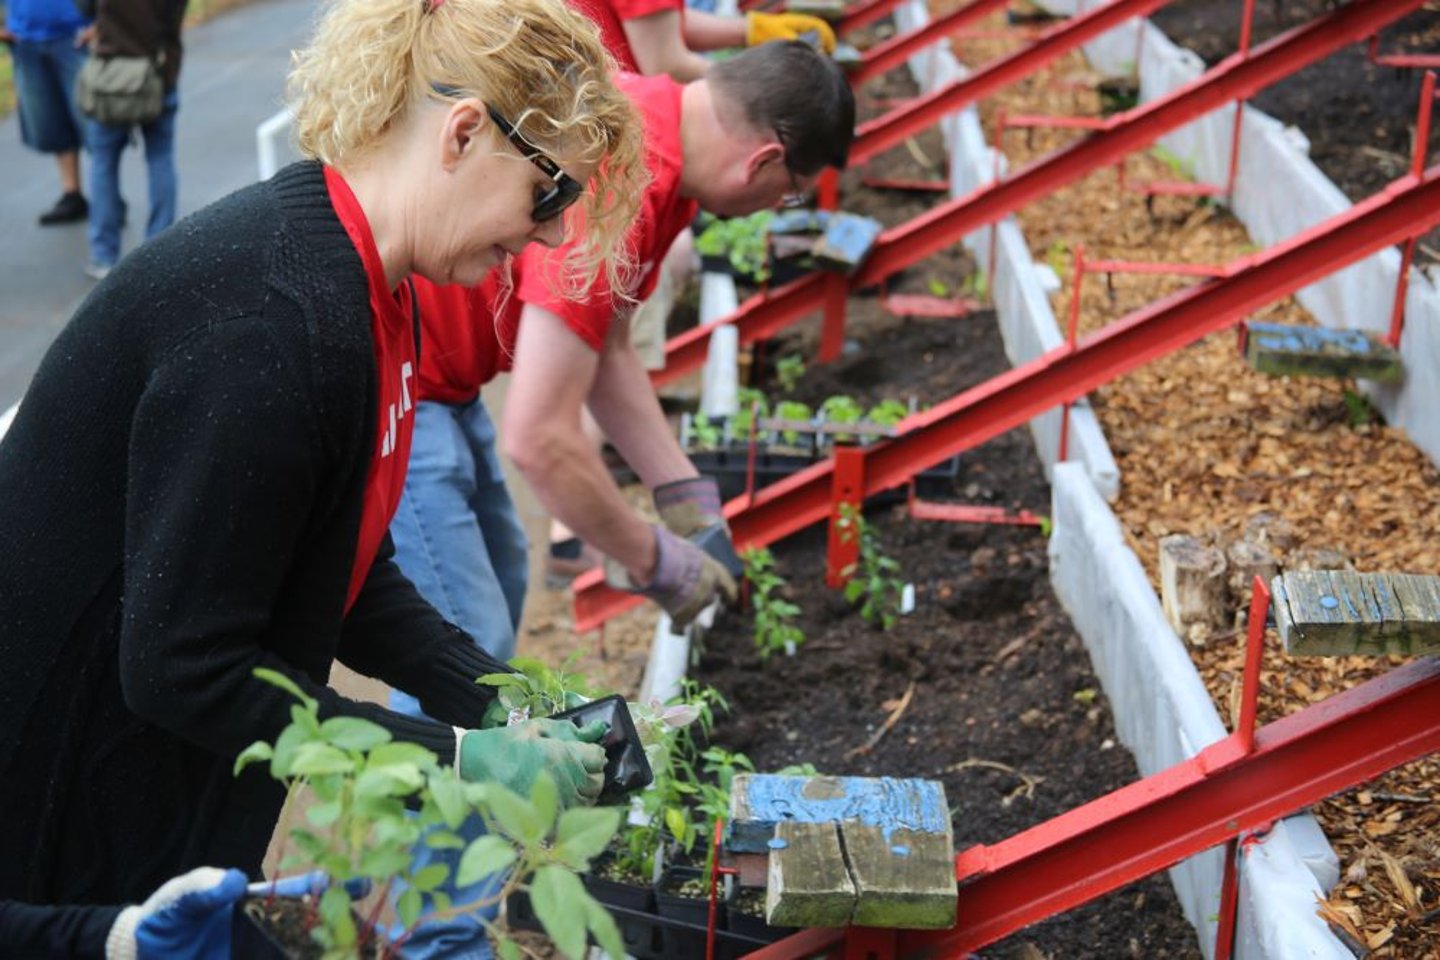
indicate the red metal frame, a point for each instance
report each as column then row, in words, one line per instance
column 1400, row 61
column 905, row 245
column 1409, row 206
column 888, row 55
column 882, row 133
column 1417, row 163
column 847, row 485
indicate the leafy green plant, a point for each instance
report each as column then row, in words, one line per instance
column 1057, row 255
column 536, row 689
column 796, row 411
column 887, row 413
column 937, row 287
column 841, row 408
column 703, row 433
column 977, row 285
column 1358, row 410
column 752, row 403
column 775, row 631
column 358, row 827
column 788, row 370
column 741, row 240
column 1183, row 169
column 873, row 579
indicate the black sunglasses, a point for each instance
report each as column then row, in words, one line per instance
column 565, row 191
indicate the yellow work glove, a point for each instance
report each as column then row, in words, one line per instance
column 761, row 27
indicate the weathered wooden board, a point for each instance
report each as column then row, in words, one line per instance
column 1291, row 350
column 1343, row 613
column 903, row 878
column 759, row 801
column 809, row 882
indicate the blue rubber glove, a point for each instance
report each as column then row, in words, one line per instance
column 188, row 918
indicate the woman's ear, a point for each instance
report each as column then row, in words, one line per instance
column 464, row 125
column 761, row 158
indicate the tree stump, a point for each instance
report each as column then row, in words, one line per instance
column 1193, row 586
column 1247, row 561
column 1271, row 530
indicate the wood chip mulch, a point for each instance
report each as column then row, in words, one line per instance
column 1204, row 444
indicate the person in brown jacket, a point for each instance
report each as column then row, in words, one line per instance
column 132, row 28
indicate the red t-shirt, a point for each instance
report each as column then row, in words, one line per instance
column 393, row 331
column 610, row 15
column 469, row 335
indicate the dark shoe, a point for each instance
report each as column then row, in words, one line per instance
column 70, row 208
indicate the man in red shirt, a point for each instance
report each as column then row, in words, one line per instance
column 662, row 36
column 757, row 128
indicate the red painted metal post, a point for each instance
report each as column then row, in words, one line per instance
column 842, row 544
column 878, row 135
column 1071, row 338
column 1229, row 901
column 886, row 56
column 827, row 190
column 1408, row 207
column 1417, row 163
column 1192, row 806
column 863, row 13
column 1247, row 24
column 1244, row 725
column 832, row 330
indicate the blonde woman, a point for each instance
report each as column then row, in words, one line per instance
column 200, row 477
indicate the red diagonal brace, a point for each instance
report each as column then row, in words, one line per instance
column 895, row 51
column 882, row 133
column 1193, row 806
column 947, row 224
column 863, row 13
column 1408, row 207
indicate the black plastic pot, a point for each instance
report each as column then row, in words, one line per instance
column 745, row 924
column 626, row 767
column 781, row 271
column 692, row 912
column 729, row 468
column 252, row 938
column 633, row 908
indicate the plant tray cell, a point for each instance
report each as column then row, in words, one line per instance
column 626, row 768
column 729, row 468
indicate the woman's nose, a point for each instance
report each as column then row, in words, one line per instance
column 550, row 232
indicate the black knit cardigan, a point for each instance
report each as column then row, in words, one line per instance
column 180, row 498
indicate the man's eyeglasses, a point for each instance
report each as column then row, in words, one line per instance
column 566, row 190
column 796, row 197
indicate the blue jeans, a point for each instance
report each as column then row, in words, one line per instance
column 458, row 538
column 106, row 143
column 45, row 73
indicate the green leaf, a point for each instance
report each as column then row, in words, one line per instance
column 257, row 752
column 286, row 744
column 385, row 862
column 408, row 906
column 440, row 900
column 510, row 950
column 602, row 926
column 429, row 877
column 554, row 893
column 314, row 759
column 353, row 733
column 584, row 832
column 501, row 680
column 515, row 816
column 486, row 855
column 305, row 719
column 398, row 752
column 393, row 828
column 314, row 846
column 395, row 780
column 449, row 797
column 676, row 822
column 444, row 840
column 544, row 801
column 323, row 814
column 335, row 912
column 282, row 681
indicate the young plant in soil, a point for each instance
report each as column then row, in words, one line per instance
column 788, row 370
column 752, row 405
column 795, row 411
column 741, row 240
column 704, row 435
column 887, row 413
column 842, row 408
column 775, row 630
column 873, row 579
column 536, row 690
column 363, row 781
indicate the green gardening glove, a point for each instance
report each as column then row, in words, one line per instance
column 515, row 755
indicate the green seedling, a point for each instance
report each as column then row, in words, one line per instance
column 363, row 782
column 752, row 404
column 536, row 690
column 743, row 241
column 1358, row 410
column 775, row 630
column 937, row 287
column 873, row 579
column 795, row 411
column 887, row 413
column 842, row 409
column 703, row 433
column 788, row 370
column 977, row 285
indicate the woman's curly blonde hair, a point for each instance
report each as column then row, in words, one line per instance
column 538, row 62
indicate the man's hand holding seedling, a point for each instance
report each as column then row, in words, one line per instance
column 515, row 755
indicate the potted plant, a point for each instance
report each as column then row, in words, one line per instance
column 363, row 782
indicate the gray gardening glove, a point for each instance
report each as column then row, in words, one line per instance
column 689, row 506
column 686, row 578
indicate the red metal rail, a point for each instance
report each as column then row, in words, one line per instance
column 898, row 248
column 1409, row 206
column 882, row 133
column 864, row 13
column 895, row 51
column 1193, row 806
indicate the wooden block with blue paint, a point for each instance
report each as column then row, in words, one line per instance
column 846, row 242
column 808, row 883
column 1343, row 613
column 799, row 220
column 898, row 846
column 1282, row 349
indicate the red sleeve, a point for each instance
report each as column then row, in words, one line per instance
column 541, row 282
column 634, row 9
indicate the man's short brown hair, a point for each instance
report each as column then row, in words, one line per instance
column 789, row 87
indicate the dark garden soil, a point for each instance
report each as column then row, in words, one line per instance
column 986, row 687
column 1359, row 117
